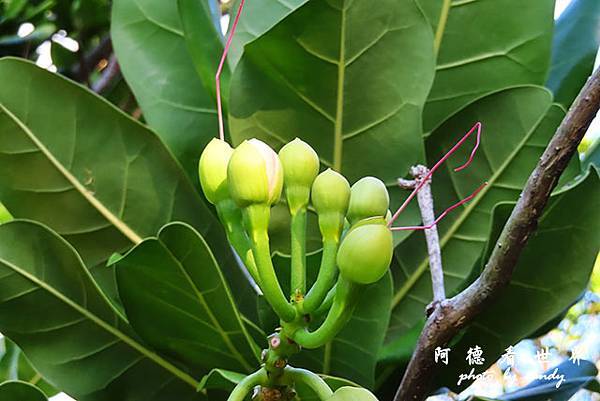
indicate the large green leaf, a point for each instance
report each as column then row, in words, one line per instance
column 51, row 307
column 258, row 16
column 517, row 124
column 347, row 77
column 572, row 57
column 149, row 42
column 552, row 271
column 20, row 391
column 100, row 179
column 14, row 365
column 204, row 41
column 485, row 46
column 352, row 354
column 71, row 161
column 189, row 314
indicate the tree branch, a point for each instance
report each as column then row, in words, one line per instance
column 425, row 201
column 452, row 315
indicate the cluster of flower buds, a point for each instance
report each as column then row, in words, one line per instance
column 245, row 182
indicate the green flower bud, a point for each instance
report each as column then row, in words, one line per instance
column 212, row 170
column 330, row 197
column 352, row 394
column 255, row 174
column 330, row 192
column 369, row 198
column 365, row 253
column 366, row 222
column 300, row 167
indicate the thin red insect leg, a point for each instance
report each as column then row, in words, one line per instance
column 410, row 197
column 477, row 142
column 441, row 216
column 220, row 69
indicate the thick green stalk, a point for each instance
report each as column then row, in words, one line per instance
column 298, row 245
column 313, row 381
column 231, row 218
column 246, row 386
column 256, row 221
column 325, row 305
column 281, row 348
column 346, row 297
column 326, row 277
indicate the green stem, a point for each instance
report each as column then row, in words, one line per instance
column 326, row 277
column 298, row 245
column 256, row 221
column 281, row 348
column 231, row 218
column 345, row 300
column 326, row 305
column 244, row 387
column 313, row 381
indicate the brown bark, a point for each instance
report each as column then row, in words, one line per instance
column 453, row 314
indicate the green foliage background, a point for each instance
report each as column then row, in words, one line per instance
column 373, row 89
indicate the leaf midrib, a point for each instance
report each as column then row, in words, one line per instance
column 215, row 322
column 441, row 27
column 104, row 325
column 127, row 231
column 338, row 137
column 467, row 211
column 339, row 113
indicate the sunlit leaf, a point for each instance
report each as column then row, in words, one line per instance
column 149, row 42
column 485, row 46
column 258, row 16
column 72, row 161
column 347, row 77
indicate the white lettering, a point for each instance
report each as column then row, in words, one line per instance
column 560, row 378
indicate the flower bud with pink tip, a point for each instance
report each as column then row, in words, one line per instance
column 255, row 174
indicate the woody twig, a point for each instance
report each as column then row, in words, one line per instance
column 449, row 317
column 425, row 201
